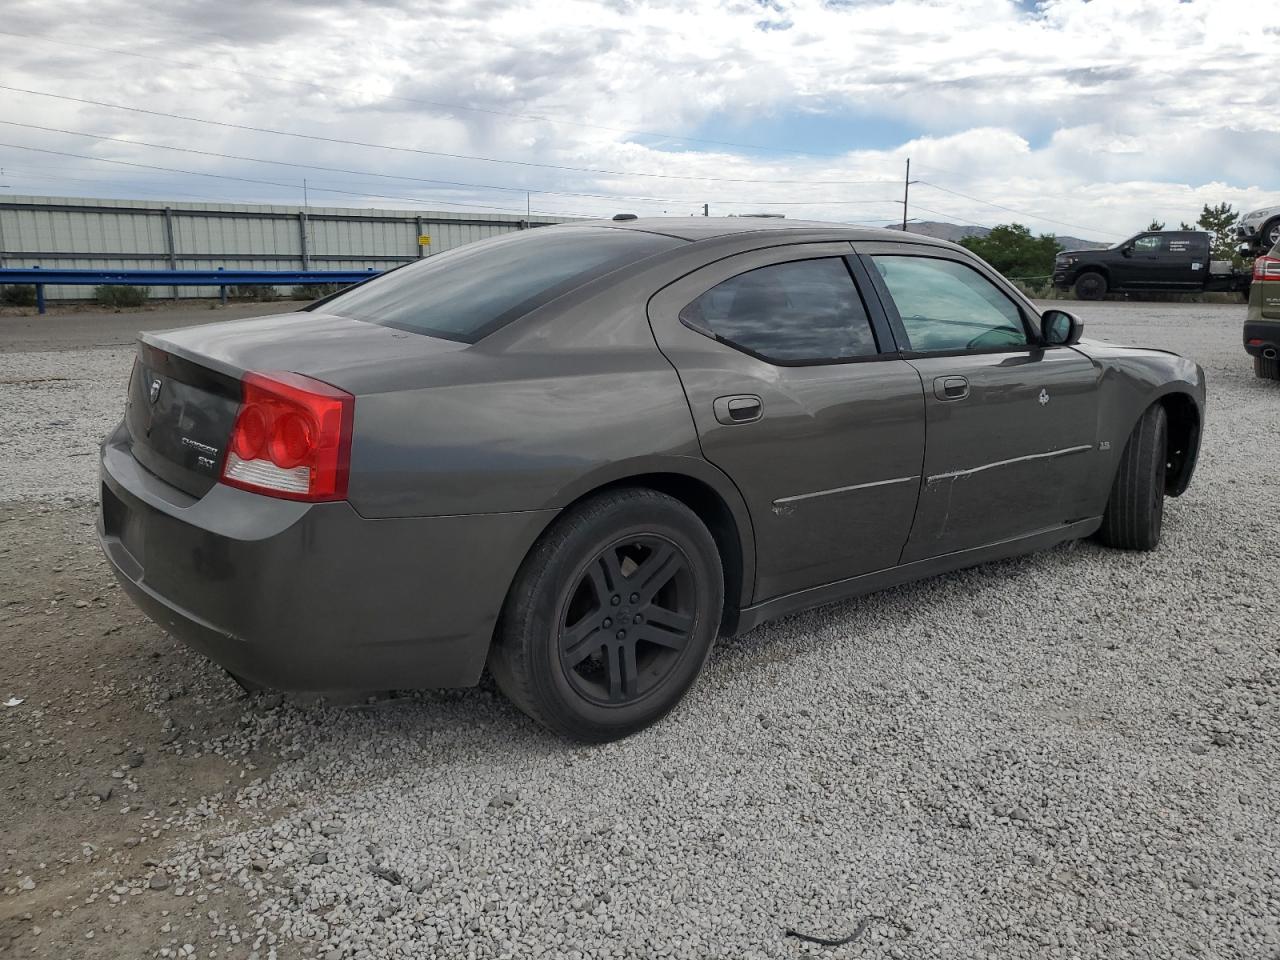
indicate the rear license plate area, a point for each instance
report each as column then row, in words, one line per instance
column 122, row 523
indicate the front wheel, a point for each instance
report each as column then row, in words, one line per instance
column 1091, row 286
column 1135, row 511
column 611, row 617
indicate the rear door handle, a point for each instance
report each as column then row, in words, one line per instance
column 744, row 408
column 950, row 388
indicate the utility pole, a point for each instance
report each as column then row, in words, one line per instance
column 906, row 194
column 906, row 190
column 304, row 246
column 528, row 205
column 706, row 209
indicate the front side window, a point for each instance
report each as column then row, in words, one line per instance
column 474, row 289
column 1149, row 244
column 947, row 306
column 808, row 311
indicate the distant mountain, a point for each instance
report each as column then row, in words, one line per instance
column 955, row 232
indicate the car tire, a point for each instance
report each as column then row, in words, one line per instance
column 249, row 687
column 1267, row 368
column 1135, row 510
column 591, row 653
column 1269, row 235
column 1091, row 285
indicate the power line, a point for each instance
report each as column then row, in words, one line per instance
column 950, row 216
column 415, row 150
column 147, row 187
column 207, row 67
column 1023, row 213
column 449, row 183
column 267, row 183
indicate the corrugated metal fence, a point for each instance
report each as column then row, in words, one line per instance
column 67, row 233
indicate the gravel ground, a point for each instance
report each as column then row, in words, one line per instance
column 1068, row 755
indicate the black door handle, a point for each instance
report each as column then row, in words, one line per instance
column 950, row 388
column 744, row 408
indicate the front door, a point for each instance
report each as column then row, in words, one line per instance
column 1011, row 426
column 1147, row 262
column 799, row 397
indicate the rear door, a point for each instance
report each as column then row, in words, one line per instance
column 1011, row 426
column 1186, row 260
column 799, row 397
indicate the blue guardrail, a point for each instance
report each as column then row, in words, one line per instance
column 40, row 277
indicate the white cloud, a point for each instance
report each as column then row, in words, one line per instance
column 1097, row 114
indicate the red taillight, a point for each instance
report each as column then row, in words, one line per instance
column 1266, row 268
column 291, row 439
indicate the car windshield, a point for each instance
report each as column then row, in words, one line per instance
column 472, row 290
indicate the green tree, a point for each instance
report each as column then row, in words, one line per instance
column 1012, row 250
column 1156, row 225
column 1220, row 222
column 1185, row 226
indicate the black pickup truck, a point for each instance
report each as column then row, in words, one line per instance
column 1172, row 260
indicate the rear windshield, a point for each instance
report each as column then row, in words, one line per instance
column 474, row 289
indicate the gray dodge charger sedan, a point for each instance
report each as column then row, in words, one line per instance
column 577, row 454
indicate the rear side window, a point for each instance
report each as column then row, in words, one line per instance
column 808, row 311
column 946, row 306
column 475, row 289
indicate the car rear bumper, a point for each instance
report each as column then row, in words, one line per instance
column 310, row 597
column 1266, row 331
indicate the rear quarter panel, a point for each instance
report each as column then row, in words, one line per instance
column 486, row 432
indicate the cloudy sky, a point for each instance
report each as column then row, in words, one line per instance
column 1074, row 117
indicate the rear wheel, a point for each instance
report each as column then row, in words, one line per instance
column 1135, row 511
column 1268, row 368
column 611, row 617
column 1091, row 286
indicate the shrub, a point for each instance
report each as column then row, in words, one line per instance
column 18, row 295
column 115, row 295
column 314, row 291
column 1043, row 290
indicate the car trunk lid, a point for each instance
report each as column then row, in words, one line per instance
column 186, row 385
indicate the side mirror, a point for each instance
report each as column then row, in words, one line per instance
column 1059, row 328
column 1127, row 250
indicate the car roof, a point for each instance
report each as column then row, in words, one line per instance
column 708, row 228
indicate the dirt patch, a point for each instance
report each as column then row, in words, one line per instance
column 120, row 731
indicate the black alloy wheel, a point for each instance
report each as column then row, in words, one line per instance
column 612, row 615
column 627, row 620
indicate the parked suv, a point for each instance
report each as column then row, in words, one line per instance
column 1262, row 328
column 1261, row 228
